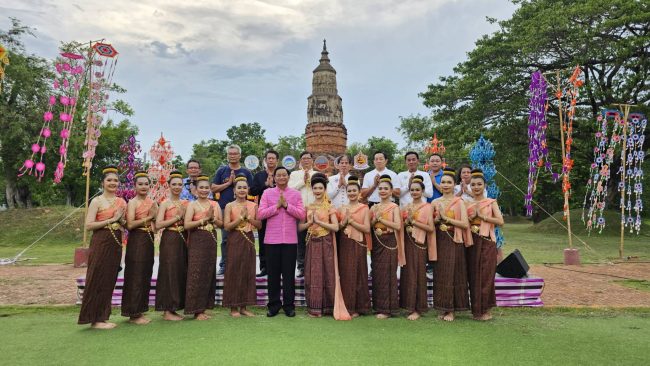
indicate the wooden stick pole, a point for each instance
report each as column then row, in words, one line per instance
column 626, row 112
column 566, row 194
column 88, row 126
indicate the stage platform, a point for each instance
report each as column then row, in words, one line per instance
column 510, row 292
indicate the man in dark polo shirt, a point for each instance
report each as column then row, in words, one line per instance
column 224, row 183
column 261, row 181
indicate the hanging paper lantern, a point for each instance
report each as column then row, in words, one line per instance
column 129, row 165
column 537, row 144
column 607, row 139
column 161, row 154
column 633, row 183
column 61, row 108
column 102, row 64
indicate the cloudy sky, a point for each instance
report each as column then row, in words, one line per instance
column 193, row 69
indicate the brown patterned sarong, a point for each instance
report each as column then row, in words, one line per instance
column 481, row 266
column 450, row 275
column 172, row 272
column 104, row 258
column 137, row 273
column 413, row 277
column 353, row 271
column 201, row 272
column 319, row 275
column 384, row 274
column 239, row 280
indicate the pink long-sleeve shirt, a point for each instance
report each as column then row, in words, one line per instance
column 281, row 223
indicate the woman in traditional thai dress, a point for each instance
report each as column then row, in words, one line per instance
column 353, row 251
column 322, row 285
column 202, row 218
column 172, row 262
column 452, row 235
column 105, row 218
column 387, row 250
column 240, row 218
column 483, row 214
column 140, row 215
column 419, row 247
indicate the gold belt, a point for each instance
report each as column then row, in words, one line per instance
column 206, row 227
column 445, row 227
column 380, row 232
column 475, row 229
column 113, row 226
column 144, row 228
column 178, row 229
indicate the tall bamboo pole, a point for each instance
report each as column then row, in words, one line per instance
column 88, row 125
column 626, row 113
column 566, row 194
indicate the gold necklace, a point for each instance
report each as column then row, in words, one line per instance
column 203, row 207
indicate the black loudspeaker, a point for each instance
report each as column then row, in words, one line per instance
column 514, row 266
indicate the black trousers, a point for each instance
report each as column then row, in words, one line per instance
column 302, row 238
column 281, row 266
column 262, row 246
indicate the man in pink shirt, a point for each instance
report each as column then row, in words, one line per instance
column 282, row 208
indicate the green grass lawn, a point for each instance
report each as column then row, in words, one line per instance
column 541, row 243
column 49, row 335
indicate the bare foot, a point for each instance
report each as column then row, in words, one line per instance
column 235, row 313
column 315, row 315
column 485, row 317
column 441, row 316
column 202, row 316
column 140, row 320
column 247, row 313
column 413, row 316
column 354, row 315
column 103, row 325
column 382, row 316
column 449, row 317
column 172, row 316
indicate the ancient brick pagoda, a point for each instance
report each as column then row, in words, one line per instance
column 325, row 133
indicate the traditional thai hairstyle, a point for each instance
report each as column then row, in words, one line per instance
column 385, row 178
column 142, row 174
column 478, row 173
column 319, row 178
column 109, row 169
column 175, row 174
column 419, row 180
column 202, row 177
column 240, row 178
column 354, row 180
column 449, row 172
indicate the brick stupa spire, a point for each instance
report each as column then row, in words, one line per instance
column 325, row 133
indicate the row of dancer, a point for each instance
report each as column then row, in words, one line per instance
column 189, row 233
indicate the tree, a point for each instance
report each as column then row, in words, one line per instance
column 290, row 145
column 609, row 39
column 211, row 154
column 24, row 92
column 250, row 137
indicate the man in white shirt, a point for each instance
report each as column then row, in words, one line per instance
column 412, row 161
column 301, row 180
column 371, row 180
column 338, row 184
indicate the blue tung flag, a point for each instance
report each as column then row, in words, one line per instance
column 481, row 155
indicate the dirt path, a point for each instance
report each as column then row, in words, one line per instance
column 55, row 284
